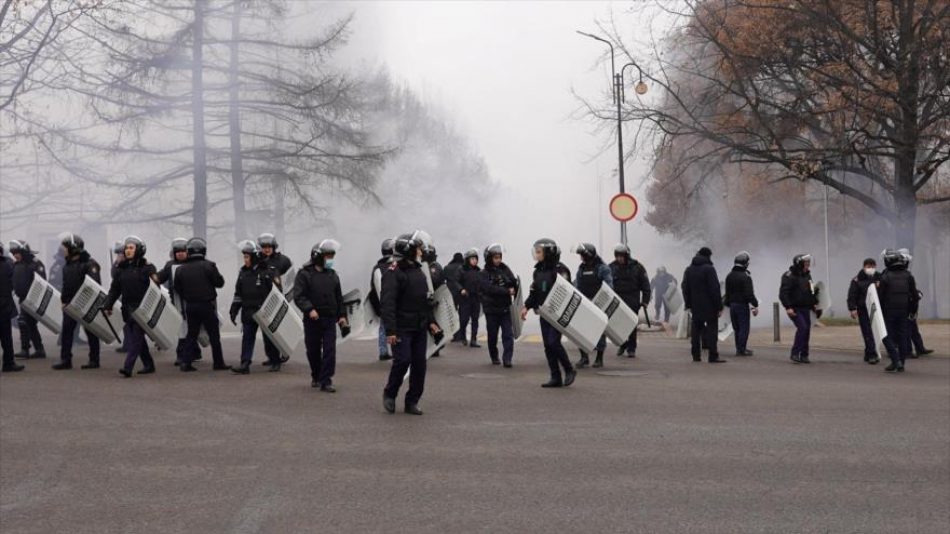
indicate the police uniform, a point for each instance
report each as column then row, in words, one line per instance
column 591, row 275
column 24, row 272
column 75, row 270
column 252, row 287
column 7, row 311
column 196, row 281
column 130, row 282
column 542, row 281
column 496, row 286
column 632, row 284
column 899, row 301
column 317, row 288
column 407, row 315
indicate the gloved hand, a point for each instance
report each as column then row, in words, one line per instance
column 344, row 330
column 818, row 312
column 235, row 308
column 438, row 337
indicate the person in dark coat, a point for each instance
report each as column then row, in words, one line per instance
column 79, row 264
column 592, row 273
column 547, row 254
column 740, row 298
column 7, row 311
column 130, row 281
column 178, row 255
column 271, row 257
column 197, row 281
column 661, row 282
column 799, row 299
column 436, row 273
column 408, row 317
column 375, row 285
column 26, row 267
column 915, row 338
column 631, row 284
column 453, row 277
column 897, row 290
column 470, row 306
column 702, row 297
column 255, row 281
column 319, row 295
column 857, row 305
column 498, row 286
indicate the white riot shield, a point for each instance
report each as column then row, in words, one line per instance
column 287, row 283
column 725, row 327
column 517, row 325
column 682, row 325
column 353, row 301
column 673, row 298
column 42, row 303
column 573, row 315
column 824, row 299
column 621, row 319
column 85, row 308
column 446, row 316
column 279, row 322
column 878, row 328
column 159, row 318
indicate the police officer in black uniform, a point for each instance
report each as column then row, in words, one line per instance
column 592, row 273
column 470, row 306
column 7, row 310
column 701, row 295
column 899, row 302
column 254, row 284
column 857, row 305
column 798, row 297
column 431, row 256
column 631, row 284
column 26, row 267
column 319, row 295
column 453, row 277
column 78, row 265
column 282, row 264
column 197, row 281
column 130, row 281
column 547, row 254
column 498, row 286
column 375, row 279
column 178, row 255
column 407, row 315
column 740, row 298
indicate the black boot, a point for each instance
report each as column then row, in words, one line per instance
column 91, row 365
column 23, row 354
column 891, row 368
column 389, row 404
column 495, row 361
column 412, row 409
column 244, row 368
column 599, row 359
column 569, row 377
column 275, row 366
column 127, row 373
column 38, row 355
column 220, row 367
column 146, row 370
column 12, row 367
column 621, row 349
column 555, row 382
column 187, row 368
column 583, row 362
column 62, row 366
column 386, row 357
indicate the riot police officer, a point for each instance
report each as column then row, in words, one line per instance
column 79, row 264
column 130, row 281
column 633, row 286
column 469, row 302
column 431, row 257
column 857, row 298
column 547, row 254
column 591, row 274
column 319, row 295
column 26, row 267
column 254, row 284
column 271, row 256
column 701, row 295
column 177, row 256
column 407, row 315
column 740, row 298
column 453, row 277
column 899, row 303
column 375, row 281
column 798, row 297
column 197, row 281
column 7, row 310
column 498, row 286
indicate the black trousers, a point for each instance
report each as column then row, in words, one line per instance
column 6, row 341
column 67, row 336
column 864, row 321
column 409, row 354
column 897, row 342
column 915, row 338
column 136, row 347
column 496, row 322
column 705, row 330
column 469, row 310
column 319, row 336
column 631, row 344
column 203, row 314
column 29, row 332
column 554, row 351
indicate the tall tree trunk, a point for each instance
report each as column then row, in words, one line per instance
column 234, row 125
column 908, row 127
column 199, row 214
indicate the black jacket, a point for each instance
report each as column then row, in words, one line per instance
column 279, row 262
column 75, row 272
column 453, row 275
column 436, row 272
column 373, row 296
column 495, row 286
column 630, row 282
column 7, row 310
column 23, row 273
column 543, row 281
column 130, row 280
column 796, row 291
column 739, row 288
column 319, row 290
column 253, row 285
column 405, row 299
column 898, row 291
column 196, row 280
column 470, row 279
column 701, row 291
column 858, row 290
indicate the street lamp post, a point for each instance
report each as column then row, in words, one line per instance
column 617, row 90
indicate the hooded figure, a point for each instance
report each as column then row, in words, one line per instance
column 702, row 297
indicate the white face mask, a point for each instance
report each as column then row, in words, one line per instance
column 870, row 271
column 329, row 263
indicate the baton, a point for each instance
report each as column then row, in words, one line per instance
column 106, row 317
column 647, row 315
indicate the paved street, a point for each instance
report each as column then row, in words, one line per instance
column 655, row 444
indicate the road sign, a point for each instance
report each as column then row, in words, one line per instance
column 623, row 207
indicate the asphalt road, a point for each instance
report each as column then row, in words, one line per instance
column 655, row 444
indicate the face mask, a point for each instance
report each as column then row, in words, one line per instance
column 328, row 263
column 870, row 271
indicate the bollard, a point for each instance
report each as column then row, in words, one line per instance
column 776, row 331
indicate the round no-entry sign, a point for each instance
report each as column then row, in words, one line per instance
column 623, row 207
